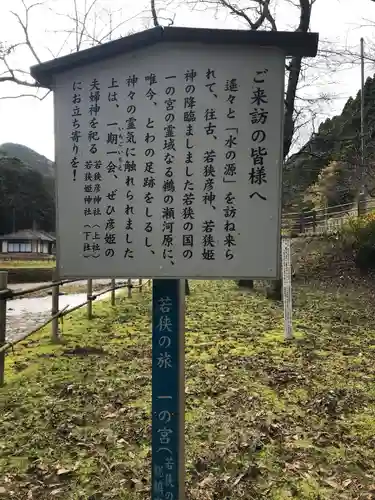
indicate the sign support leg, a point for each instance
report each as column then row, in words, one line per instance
column 168, row 389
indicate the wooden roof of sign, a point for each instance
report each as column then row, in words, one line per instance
column 292, row 43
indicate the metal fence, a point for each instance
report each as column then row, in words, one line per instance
column 56, row 314
column 321, row 221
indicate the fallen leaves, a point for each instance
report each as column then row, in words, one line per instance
column 265, row 419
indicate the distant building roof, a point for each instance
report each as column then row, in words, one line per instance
column 28, row 234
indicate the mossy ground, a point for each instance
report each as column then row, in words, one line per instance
column 7, row 264
column 265, row 418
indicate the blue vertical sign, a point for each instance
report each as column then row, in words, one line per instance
column 167, row 391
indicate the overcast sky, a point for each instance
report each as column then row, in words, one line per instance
column 30, row 122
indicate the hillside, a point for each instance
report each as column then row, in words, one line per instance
column 26, row 194
column 29, row 157
column 337, row 140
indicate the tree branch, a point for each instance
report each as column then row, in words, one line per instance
column 35, row 96
column 80, row 26
column 267, row 14
column 88, row 27
column 94, row 37
column 25, row 27
column 262, row 11
column 13, row 75
column 154, row 14
column 238, row 12
column 16, row 80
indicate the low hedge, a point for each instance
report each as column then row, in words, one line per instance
column 29, row 274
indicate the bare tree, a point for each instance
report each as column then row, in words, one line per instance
column 262, row 14
column 12, row 74
column 81, row 24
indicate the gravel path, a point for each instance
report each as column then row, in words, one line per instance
column 19, row 325
column 25, row 314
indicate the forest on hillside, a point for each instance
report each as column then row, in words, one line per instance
column 328, row 168
column 26, row 190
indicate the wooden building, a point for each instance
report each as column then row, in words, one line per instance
column 27, row 244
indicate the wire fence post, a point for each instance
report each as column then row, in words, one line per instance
column 314, row 221
column 286, row 265
column 89, row 298
column 3, row 315
column 55, row 308
column 129, row 288
column 113, row 292
column 301, row 223
column 140, row 285
column 326, row 217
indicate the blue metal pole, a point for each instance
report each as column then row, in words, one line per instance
column 168, row 390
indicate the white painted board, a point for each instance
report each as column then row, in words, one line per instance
column 169, row 164
column 286, row 263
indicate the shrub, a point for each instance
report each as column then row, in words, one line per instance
column 358, row 236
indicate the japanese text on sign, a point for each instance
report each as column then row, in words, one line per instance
column 165, row 392
column 174, row 165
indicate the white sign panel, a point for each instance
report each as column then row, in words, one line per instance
column 169, row 163
column 286, row 263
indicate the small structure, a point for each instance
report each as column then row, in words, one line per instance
column 27, row 244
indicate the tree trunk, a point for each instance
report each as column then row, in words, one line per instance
column 274, row 290
column 187, row 288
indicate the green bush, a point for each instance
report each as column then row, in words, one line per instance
column 358, row 236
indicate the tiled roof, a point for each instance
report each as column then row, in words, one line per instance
column 28, row 234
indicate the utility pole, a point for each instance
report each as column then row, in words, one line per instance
column 361, row 207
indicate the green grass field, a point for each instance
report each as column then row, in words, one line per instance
column 8, row 264
column 265, row 419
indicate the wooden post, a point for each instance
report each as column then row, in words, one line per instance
column 113, row 292
column 314, row 221
column 286, row 264
column 301, row 223
column 55, row 309
column 140, row 285
column 129, row 288
column 361, row 205
column 3, row 315
column 326, row 217
column 89, row 298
